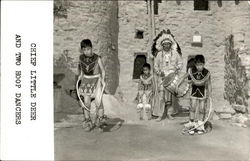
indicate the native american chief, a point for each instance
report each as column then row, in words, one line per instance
column 167, row 59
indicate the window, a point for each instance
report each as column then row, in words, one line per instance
column 156, row 6
column 201, row 5
column 140, row 60
column 219, row 2
column 237, row 2
column 139, row 34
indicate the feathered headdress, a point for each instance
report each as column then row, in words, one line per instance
column 162, row 37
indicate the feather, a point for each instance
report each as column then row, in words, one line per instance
column 163, row 35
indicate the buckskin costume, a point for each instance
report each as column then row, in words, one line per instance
column 145, row 88
column 199, row 94
column 199, row 83
column 90, row 80
column 165, row 62
column 89, row 84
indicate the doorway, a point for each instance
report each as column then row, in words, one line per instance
column 139, row 61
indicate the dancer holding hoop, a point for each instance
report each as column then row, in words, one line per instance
column 90, row 86
column 201, row 90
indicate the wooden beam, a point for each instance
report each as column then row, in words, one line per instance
column 153, row 18
column 149, row 27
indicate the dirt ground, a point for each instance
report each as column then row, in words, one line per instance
column 150, row 140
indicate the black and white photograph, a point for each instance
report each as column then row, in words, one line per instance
column 152, row 80
column 125, row 80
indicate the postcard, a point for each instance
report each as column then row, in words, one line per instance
column 125, row 80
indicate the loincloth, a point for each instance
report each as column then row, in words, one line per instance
column 145, row 96
column 89, row 85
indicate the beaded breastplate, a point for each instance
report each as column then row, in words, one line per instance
column 146, row 82
column 199, row 80
column 88, row 64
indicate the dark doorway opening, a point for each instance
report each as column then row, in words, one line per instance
column 201, row 5
column 139, row 61
column 190, row 62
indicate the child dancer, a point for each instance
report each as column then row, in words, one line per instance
column 201, row 90
column 90, row 85
column 145, row 92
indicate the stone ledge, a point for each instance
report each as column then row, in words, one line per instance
column 239, row 108
column 225, row 116
column 225, row 110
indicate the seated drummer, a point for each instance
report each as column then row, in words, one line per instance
column 201, row 90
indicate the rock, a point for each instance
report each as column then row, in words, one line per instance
column 245, row 59
column 215, row 117
column 239, row 100
column 111, row 105
column 239, row 37
column 225, row 116
column 239, row 125
column 227, row 109
column 247, row 123
column 239, row 108
column 240, row 118
column 115, row 108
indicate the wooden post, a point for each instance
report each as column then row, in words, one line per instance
column 149, row 29
column 150, row 19
column 153, row 19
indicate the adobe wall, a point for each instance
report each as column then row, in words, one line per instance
column 179, row 16
column 96, row 20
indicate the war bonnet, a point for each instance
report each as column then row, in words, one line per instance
column 164, row 37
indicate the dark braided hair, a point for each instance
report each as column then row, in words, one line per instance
column 85, row 43
column 199, row 59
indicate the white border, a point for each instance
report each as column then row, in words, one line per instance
column 32, row 140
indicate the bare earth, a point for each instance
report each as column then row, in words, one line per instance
column 149, row 140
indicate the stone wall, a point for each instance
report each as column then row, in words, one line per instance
column 132, row 17
column 96, row 20
column 213, row 25
column 112, row 26
column 237, row 76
